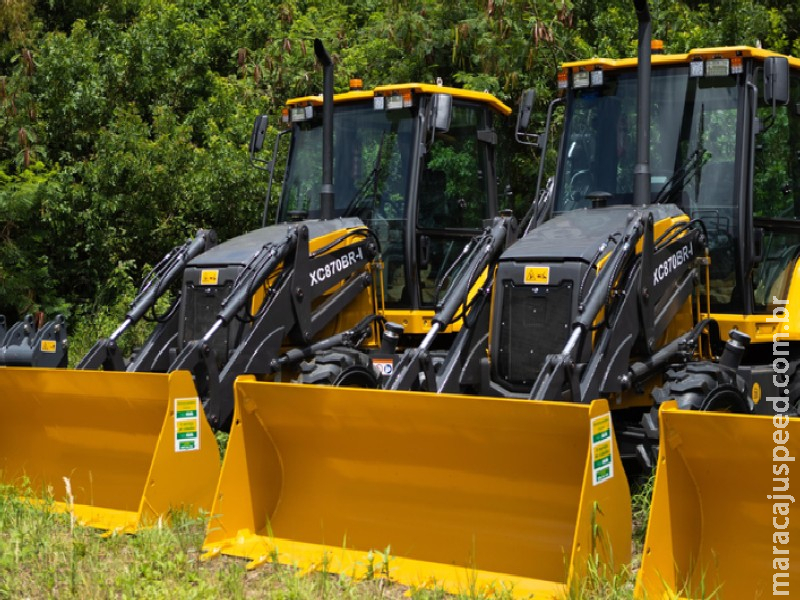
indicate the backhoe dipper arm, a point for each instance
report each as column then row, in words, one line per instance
column 484, row 254
column 105, row 352
column 287, row 312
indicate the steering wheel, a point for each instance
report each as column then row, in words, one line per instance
column 579, row 185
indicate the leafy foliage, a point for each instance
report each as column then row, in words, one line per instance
column 123, row 126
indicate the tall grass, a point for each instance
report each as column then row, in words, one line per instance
column 600, row 583
column 43, row 554
column 640, row 503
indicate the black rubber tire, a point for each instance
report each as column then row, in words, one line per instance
column 343, row 367
column 704, row 386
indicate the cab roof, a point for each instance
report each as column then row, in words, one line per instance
column 400, row 88
column 667, row 59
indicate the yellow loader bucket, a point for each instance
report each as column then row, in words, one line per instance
column 461, row 492
column 719, row 518
column 131, row 446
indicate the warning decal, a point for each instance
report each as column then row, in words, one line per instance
column 383, row 366
column 602, row 449
column 209, row 277
column 187, row 424
column 537, row 275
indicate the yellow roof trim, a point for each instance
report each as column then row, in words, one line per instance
column 419, row 88
column 666, row 59
column 337, row 98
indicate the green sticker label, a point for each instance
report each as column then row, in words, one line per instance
column 602, row 474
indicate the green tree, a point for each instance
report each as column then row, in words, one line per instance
column 123, row 126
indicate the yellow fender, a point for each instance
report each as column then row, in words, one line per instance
column 723, row 517
column 118, row 451
column 462, row 492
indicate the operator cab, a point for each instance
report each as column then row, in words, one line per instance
column 703, row 141
column 414, row 162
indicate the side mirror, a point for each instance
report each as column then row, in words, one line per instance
column 525, row 108
column 442, row 112
column 776, row 80
column 259, row 131
column 524, row 119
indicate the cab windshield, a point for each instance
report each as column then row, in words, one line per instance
column 371, row 160
column 693, row 144
column 692, row 141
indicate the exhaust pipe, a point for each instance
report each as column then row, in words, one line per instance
column 641, row 181
column 326, row 193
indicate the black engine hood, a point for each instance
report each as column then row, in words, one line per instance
column 576, row 235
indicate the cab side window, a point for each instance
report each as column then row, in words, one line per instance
column 453, row 199
column 452, row 188
column 776, row 185
column 776, row 196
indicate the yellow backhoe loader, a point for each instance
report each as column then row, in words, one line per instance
column 653, row 280
column 367, row 221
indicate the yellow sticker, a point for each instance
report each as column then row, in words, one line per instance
column 601, row 428
column 756, row 393
column 537, row 275
column 186, row 426
column 48, row 346
column 186, row 408
column 601, row 454
column 209, row 277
